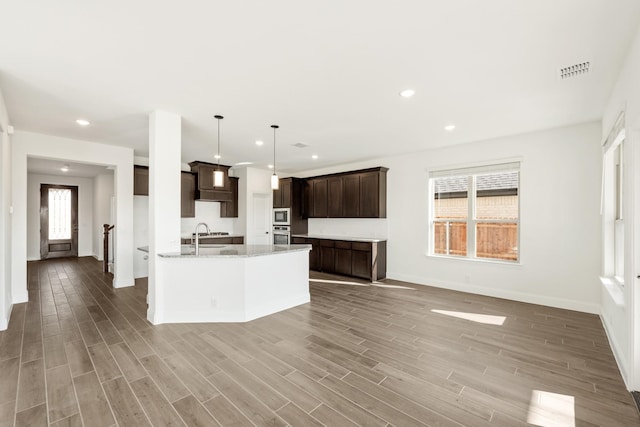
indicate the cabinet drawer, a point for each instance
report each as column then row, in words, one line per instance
column 327, row 243
column 342, row 244
column 298, row 240
column 361, row 246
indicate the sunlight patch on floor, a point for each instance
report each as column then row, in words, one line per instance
column 345, row 282
column 487, row 319
column 551, row 409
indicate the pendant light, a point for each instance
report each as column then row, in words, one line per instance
column 218, row 175
column 274, row 178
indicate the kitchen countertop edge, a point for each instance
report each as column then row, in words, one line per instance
column 232, row 251
column 343, row 238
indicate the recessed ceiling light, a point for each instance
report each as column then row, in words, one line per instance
column 216, row 156
column 315, row 156
column 270, row 166
column 449, row 127
column 83, row 122
column 65, row 168
column 259, row 143
column 407, row 93
column 243, row 163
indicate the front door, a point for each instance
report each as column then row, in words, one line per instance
column 58, row 221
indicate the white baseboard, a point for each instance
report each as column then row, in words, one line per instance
column 500, row 293
column 618, row 355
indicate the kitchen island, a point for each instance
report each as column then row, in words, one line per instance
column 230, row 283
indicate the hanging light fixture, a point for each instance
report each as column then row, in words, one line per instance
column 218, row 175
column 274, row 178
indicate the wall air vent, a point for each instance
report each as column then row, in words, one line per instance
column 574, row 70
column 300, row 145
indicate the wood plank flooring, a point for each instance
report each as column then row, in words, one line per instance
column 80, row 353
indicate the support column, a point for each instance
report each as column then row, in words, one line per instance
column 164, row 200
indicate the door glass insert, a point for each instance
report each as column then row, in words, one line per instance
column 59, row 213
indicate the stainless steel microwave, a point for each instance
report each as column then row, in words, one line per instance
column 281, row 216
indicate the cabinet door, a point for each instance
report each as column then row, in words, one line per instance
column 277, row 198
column 285, row 193
column 140, row 180
column 238, row 240
column 361, row 264
column 320, row 198
column 334, row 197
column 308, row 199
column 369, row 195
column 314, row 255
column 327, row 256
column 187, row 195
column 342, row 261
column 351, row 196
column 230, row 209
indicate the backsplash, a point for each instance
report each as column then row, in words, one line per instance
column 352, row 227
column 209, row 213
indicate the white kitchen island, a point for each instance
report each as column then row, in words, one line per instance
column 230, row 283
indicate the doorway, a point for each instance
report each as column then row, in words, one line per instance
column 58, row 221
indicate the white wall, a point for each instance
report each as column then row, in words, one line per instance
column 85, row 212
column 27, row 144
column 622, row 319
column 5, row 217
column 209, row 213
column 353, row 227
column 560, row 221
column 102, row 193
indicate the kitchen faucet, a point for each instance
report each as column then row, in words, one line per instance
column 197, row 236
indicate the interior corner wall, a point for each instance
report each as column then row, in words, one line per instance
column 102, row 193
column 5, row 217
column 85, row 212
column 27, row 144
column 559, row 218
column 622, row 321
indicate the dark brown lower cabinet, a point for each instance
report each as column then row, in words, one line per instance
column 366, row 260
column 327, row 255
column 342, row 258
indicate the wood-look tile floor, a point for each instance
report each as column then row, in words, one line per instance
column 81, row 353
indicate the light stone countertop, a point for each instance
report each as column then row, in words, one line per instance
column 221, row 236
column 343, row 238
column 243, row 251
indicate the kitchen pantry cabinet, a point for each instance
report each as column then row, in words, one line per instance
column 357, row 194
column 366, row 260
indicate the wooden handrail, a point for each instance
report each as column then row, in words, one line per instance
column 105, row 256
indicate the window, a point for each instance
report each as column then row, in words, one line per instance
column 475, row 212
column 59, row 213
column 614, row 203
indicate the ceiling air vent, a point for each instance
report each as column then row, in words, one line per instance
column 574, row 70
column 300, row 145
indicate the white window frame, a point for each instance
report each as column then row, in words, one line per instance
column 472, row 172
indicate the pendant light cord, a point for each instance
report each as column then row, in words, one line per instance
column 219, row 118
column 274, row 147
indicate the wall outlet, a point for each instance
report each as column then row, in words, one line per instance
column 214, row 302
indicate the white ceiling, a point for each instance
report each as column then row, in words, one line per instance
column 328, row 72
column 53, row 167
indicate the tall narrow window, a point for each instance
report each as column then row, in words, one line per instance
column 613, row 202
column 59, row 213
column 475, row 212
column 618, row 227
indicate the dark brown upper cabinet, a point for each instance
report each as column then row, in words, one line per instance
column 140, row 180
column 282, row 197
column 229, row 209
column 205, row 189
column 357, row 194
column 187, row 195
